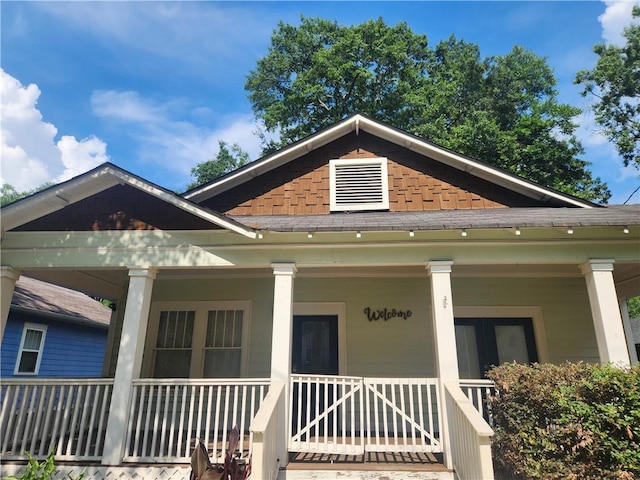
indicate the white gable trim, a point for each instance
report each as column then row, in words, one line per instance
column 357, row 123
column 96, row 181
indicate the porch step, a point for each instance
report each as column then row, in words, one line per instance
column 370, row 466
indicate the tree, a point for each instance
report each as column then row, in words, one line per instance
column 228, row 158
column 9, row 194
column 502, row 110
column 615, row 84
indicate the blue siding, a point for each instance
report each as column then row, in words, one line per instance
column 70, row 350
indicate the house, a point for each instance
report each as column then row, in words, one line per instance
column 339, row 299
column 53, row 331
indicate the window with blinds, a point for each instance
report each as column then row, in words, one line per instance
column 223, row 347
column 359, row 184
column 174, row 344
column 198, row 339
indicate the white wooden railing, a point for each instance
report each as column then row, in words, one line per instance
column 470, row 436
column 268, row 434
column 351, row 415
column 65, row 416
column 478, row 392
column 168, row 415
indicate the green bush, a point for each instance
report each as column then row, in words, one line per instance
column 571, row 421
column 44, row 470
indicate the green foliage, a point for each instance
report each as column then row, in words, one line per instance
column 9, row 194
column 615, row 84
column 228, row 158
column 574, row 421
column 44, row 470
column 502, row 110
column 633, row 305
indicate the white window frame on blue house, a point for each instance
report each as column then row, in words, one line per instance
column 37, row 327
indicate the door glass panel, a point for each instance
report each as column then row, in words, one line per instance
column 316, row 340
column 512, row 344
column 467, row 347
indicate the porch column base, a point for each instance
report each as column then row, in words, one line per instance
column 612, row 345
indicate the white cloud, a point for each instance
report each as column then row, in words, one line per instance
column 168, row 142
column 615, row 18
column 192, row 33
column 30, row 156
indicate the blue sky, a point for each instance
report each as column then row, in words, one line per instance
column 153, row 86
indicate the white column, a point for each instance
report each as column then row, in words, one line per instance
column 8, row 276
column 612, row 345
column 444, row 336
column 444, row 332
column 281, row 342
column 129, row 363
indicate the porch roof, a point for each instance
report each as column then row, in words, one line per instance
column 619, row 215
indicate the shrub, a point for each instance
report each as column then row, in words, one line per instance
column 571, row 421
column 44, row 470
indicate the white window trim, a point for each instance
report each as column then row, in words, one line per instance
column 329, row 308
column 31, row 326
column 532, row 312
column 383, row 205
column 199, row 332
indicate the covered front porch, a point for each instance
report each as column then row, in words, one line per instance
column 307, row 358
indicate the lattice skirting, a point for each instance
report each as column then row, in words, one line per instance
column 108, row 473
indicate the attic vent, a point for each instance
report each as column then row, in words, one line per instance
column 359, row 184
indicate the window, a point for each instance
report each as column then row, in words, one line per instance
column 359, row 184
column 203, row 340
column 484, row 342
column 223, row 346
column 174, row 344
column 31, row 346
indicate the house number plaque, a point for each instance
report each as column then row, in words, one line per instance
column 386, row 314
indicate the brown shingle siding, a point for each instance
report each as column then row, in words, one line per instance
column 416, row 183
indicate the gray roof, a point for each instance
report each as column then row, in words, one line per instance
column 48, row 299
column 619, row 215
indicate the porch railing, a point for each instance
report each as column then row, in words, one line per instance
column 471, row 436
column 478, row 393
column 168, row 415
column 268, row 433
column 65, row 416
column 351, row 415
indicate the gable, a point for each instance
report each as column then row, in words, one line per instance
column 121, row 207
column 359, row 124
column 415, row 183
column 109, row 198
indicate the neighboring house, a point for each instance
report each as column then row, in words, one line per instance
column 337, row 298
column 53, row 331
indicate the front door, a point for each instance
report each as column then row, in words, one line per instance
column 314, row 351
column 485, row 342
column 315, row 344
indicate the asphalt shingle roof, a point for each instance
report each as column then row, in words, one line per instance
column 46, row 298
column 618, row 215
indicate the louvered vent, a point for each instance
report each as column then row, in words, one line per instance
column 360, row 184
